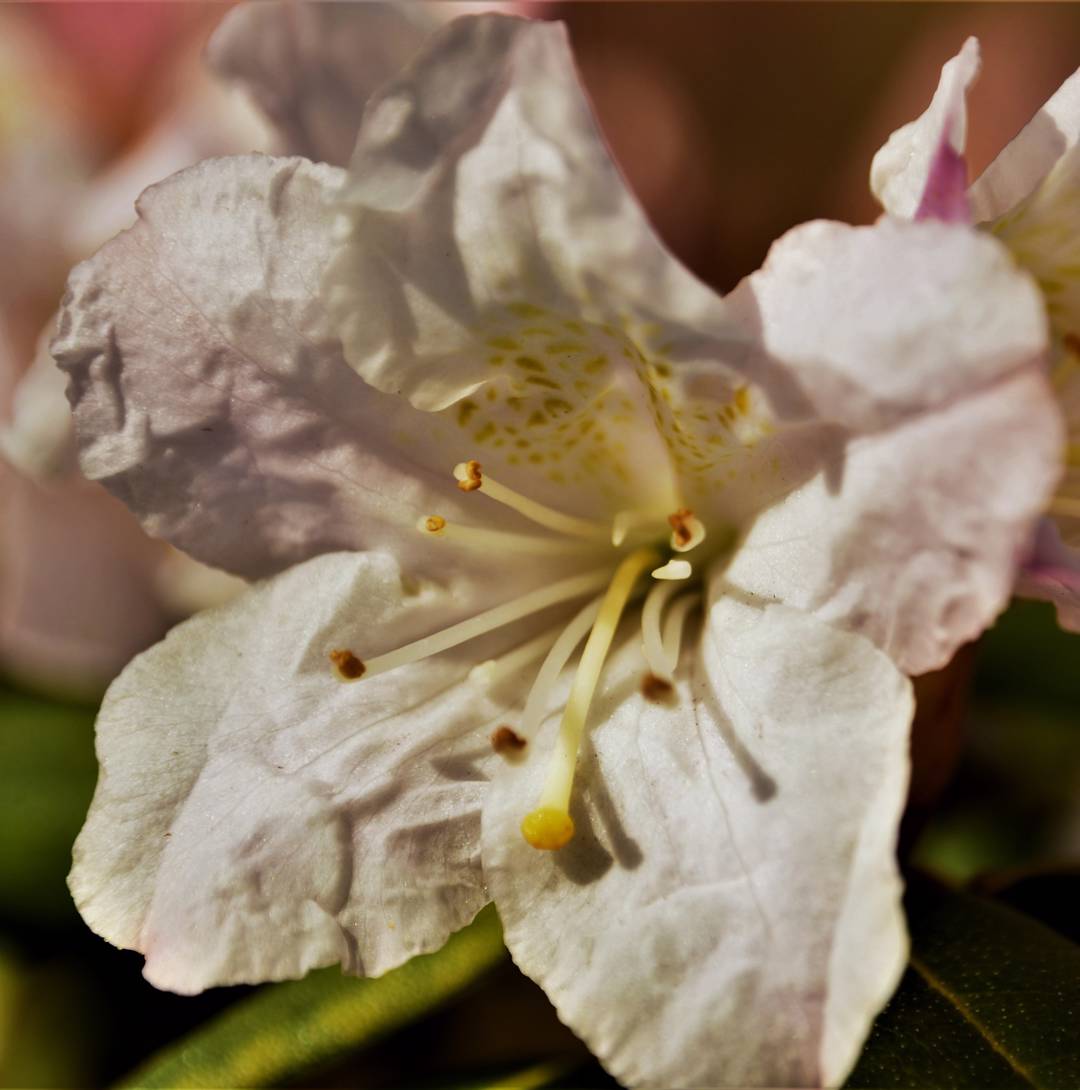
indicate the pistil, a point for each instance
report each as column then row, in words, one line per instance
column 550, row 826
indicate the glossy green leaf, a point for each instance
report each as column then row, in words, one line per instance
column 1049, row 895
column 47, row 773
column 991, row 999
column 287, row 1030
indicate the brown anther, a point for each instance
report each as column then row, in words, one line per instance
column 657, row 689
column 507, row 741
column 1072, row 343
column 348, row 666
column 434, row 524
column 680, row 525
column 473, row 479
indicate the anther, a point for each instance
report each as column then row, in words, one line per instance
column 657, row 689
column 687, row 530
column 433, row 524
column 507, row 742
column 348, row 666
column 674, row 569
column 469, row 475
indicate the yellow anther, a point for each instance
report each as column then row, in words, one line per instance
column 432, row 524
column 548, row 828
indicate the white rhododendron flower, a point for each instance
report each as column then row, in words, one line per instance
column 464, row 414
column 1029, row 198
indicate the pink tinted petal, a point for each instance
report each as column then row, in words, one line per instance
column 209, row 396
column 945, row 196
column 913, row 172
column 1052, row 574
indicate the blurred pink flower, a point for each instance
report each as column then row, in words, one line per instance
column 70, row 626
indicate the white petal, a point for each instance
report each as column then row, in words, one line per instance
column 256, row 817
column 210, row 398
column 901, row 168
column 728, row 912
column 1026, row 160
column 311, row 67
column 913, row 538
column 864, row 326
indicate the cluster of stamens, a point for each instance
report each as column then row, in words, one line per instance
column 664, row 613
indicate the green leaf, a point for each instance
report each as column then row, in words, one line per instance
column 287, row 1030
column 1049, row 895
column 47, row 772
column 991, row 999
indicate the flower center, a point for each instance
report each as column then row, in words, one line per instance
column 633, row 535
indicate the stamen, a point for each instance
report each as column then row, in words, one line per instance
column 557, row 657
column 470, row 478
column 499, row 540
column 486, row 674
column 687, row 530
column 627, row 521
column 674, row 624
column 1065, row 507
column 563, row 591
column 674, row 569
column 651, row 636
column 550, row 826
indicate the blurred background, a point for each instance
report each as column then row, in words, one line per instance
column 732, row 122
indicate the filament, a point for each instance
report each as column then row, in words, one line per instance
column 498, row 540
column 557, row 657
column 674, row 625
column 564, row 590
column 471, row 478
column 651, row 635
column 492, row 671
